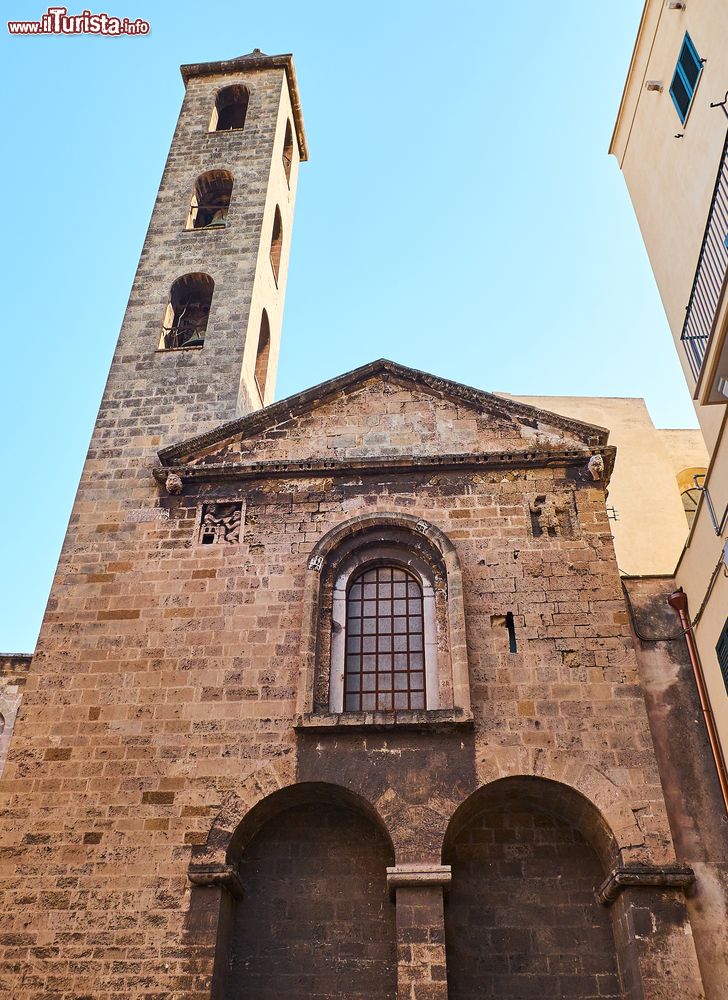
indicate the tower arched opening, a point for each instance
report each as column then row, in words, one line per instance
column 276, row 243
column 231, row 109
column 188, row 310
column 262, row 355
column 211, row 200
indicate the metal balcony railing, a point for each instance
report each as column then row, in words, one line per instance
column 709, row 274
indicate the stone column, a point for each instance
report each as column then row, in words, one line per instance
column 215, row 889
column 421, row 968
column 654, row 939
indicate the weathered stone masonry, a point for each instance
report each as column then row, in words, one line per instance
column 183, row 813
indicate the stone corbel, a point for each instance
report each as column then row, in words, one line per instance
column 212, row 876
column 678, row 877
column 418, row 877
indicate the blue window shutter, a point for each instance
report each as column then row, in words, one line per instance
column 722, row 651
column 686, row 76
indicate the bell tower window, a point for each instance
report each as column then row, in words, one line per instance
column 262, row 355
column 188, row 310
column 288, row 152
column 276, row 244
column 231, row 108
column 211, row 200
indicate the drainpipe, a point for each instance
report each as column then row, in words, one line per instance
column 678, row 601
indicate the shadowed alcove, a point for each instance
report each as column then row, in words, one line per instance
column 521, row 917
column 315, row 919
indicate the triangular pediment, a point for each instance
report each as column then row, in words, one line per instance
column 386, row 411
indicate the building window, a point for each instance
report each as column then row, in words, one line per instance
column 385, row 641
column 276, row 244
column 231, row 107
column 386, row 624
column 384, row 644
column 261, row 356
column 685, row 81
column 188, row 310
column 689, row 492
column 288, row 151
column 211, row 200
column 690, row 499
column 722, row 651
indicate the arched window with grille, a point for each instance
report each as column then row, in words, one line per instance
column 385, row 628
column 231, row 109
column 385, row 641
column 690, row 482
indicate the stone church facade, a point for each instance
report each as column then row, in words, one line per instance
column 335, row 697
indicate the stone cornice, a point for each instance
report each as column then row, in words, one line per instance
column 257, row 60
column 337, row 722
column 678, row 877
column 594, row 438
column 212, row 876
column 418, row 876
column 332, row 468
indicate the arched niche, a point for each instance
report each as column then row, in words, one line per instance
column 527, row 855
column 312, row 916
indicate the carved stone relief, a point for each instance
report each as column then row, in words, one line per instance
column 220, row 523
column 552, row 515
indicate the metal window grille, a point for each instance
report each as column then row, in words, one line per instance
column 385, row 654
column 710, row 273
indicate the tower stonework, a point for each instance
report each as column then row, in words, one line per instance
column 160, row 394
column 334, row 697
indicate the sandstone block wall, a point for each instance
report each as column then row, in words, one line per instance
column 165, row 685
column 14, row 669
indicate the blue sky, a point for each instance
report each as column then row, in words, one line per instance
column 459, row 213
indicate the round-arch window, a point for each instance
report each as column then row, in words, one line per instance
column 385, row 656
column 690, row 500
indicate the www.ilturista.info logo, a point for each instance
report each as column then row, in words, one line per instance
column 57, row 21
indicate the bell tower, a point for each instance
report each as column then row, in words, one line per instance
column 200, row 339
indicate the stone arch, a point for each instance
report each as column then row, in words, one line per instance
column 301, row 793
column 546, row 795
column 263, row 782
column 425, row 541
column 590, row 784
column 210, row 201
column 187, row 312
column 526, row 854
column 230, row 109
column 308, row 913
column 267, row 791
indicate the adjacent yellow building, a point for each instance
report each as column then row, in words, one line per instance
column 671, row 143
column 651, row 492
